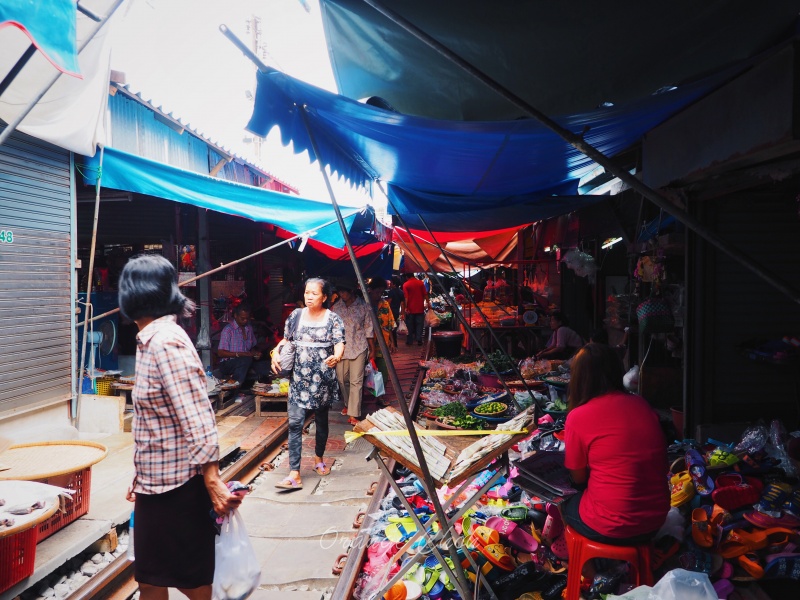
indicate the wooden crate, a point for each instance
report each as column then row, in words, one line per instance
column 277, row 405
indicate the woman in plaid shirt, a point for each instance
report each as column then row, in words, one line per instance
column 176, row 448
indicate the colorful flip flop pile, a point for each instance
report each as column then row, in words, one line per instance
column 740, row 515
column 743, row 519
column 505, row 535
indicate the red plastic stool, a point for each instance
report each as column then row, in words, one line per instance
column 582, row 549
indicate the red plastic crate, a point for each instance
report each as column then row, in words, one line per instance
column 17, row 557
column 81, row 482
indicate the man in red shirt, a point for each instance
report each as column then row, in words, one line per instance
column 416, row 303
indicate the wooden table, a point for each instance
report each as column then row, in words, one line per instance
column 125, row 389
column 271, row 398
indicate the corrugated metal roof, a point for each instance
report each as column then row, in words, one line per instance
column 129, row 135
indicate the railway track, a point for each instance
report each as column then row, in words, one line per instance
column 116, row 582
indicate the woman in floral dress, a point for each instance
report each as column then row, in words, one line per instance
column 319, row 345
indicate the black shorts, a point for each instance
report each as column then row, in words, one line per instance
column 174, row 537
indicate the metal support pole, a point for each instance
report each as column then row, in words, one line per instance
column 204, row 286
column 4, row 135
column 577, row 142
column 18, row 66
column 412, row 432
column 75, row 404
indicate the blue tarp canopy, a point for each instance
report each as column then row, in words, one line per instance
column 561, row 57
column 460, row 176
column 128, row 172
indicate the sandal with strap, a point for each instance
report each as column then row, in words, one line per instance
column 664, row 548
column 719, row 458
column 752, row 564
column 517, row 512
column 697, row 469
column 782, row 566
column 733, row 491
column 682, row 490
column 322, row 469
column 695, row 559
column 773, row 498
column 704, row 532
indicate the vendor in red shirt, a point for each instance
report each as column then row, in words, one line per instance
column 615, row 446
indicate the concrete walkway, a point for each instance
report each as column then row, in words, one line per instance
column 298, row 535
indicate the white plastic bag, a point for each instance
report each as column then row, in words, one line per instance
column 432, row 319
column 236, row 571
column 678, row 584
column 631, row 379
column 373, row 379
column 402, row 329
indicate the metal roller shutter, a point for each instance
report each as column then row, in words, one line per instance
column 35, row 289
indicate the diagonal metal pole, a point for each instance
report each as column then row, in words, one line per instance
column 18, row 66
column 6, row 133
column 76, row 401
column 577, row 142
column 233, row 262
column 412, row 432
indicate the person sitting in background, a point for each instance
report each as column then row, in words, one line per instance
column 239, row 350
column 563, row 342
column 614, row 446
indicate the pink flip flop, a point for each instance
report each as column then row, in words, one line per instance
column 553, row 525
column 510, row 532
column 559, row 547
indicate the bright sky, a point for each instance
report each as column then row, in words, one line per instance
column 174, row 54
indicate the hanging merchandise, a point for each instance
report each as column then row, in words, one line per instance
column 583, row 264
column 649, row 269
column 655, row 316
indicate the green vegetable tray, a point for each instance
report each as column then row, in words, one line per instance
column 492, row 419
column 495, row 413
